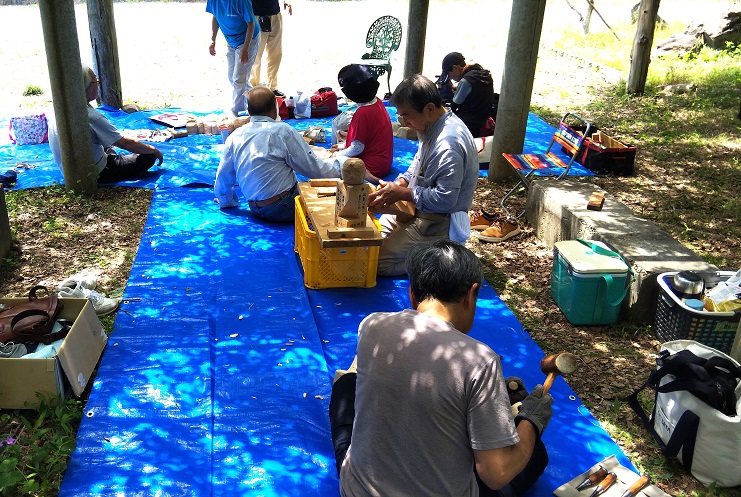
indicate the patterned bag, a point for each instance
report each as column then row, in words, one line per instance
column 29, row 130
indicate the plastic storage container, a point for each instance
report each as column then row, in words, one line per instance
column 588, row 286
column 333, row 267
column 675, row 320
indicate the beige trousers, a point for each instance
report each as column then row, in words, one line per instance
column 273, row 42
column 399, row 238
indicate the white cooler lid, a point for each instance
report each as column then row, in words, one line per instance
column 584, row 260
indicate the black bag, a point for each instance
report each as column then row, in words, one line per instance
column 265, row 24
column 711, row 380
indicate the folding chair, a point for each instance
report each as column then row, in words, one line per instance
column 547, row 164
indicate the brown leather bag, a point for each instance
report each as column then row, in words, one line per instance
column 32, row 321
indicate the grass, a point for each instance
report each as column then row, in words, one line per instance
column 33, row 90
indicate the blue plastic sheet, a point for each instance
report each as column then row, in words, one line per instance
column 192, row 160
column 217, row 376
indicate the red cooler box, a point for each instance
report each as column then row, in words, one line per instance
column 588, row 281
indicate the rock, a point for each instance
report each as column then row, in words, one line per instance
column 679, row 44
column 131, row 108
column 678, row 89
column 725, row 29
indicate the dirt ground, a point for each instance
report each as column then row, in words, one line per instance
column 165, row 62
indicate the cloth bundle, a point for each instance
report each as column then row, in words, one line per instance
column 29, row 130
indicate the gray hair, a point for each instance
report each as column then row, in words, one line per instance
column 86, row 79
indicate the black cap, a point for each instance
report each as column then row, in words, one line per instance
column 357, row 82
column 450, row 60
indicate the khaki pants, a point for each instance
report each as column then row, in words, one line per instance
column 273, row 41
column 399, row 238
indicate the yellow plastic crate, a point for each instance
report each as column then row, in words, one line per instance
column 333, row 267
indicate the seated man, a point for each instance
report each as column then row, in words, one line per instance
column 439, row 182
column 262, row 159
column 474, row 96
column 369, row 136
column 111, row 166
column 425, row 410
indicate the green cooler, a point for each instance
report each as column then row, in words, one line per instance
column 588, row 281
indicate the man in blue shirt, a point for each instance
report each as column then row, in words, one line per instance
column 236, row 20
column 262, row 158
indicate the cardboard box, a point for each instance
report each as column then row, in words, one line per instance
column 21, row 379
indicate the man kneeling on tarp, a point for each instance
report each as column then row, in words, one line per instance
column 425, row 406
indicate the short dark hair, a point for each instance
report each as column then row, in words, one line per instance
column 416, row 91
column 442, row 270
column 260, row 101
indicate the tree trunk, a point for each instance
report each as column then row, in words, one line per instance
column 68, row 95
column 416, row 34
column 525, row 28
column 640, row 55
column 5, row 238
column 588, row 17
column 105, row 51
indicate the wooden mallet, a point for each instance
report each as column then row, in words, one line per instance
column 556, row 364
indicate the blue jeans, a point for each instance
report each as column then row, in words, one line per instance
column 282, row 211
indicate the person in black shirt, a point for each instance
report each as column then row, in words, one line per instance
column 474, row 97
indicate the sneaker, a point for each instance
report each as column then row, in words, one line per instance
column 500, row 231
column 102, row 305
column 84, row 280
column 481, row 220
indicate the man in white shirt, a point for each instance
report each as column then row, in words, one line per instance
column 104, row 135
column 262, row 159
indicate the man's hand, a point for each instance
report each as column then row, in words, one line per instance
column 387, row 193
column 536, row 408
column 287, row 5
column 244, row 54
column 212, row 48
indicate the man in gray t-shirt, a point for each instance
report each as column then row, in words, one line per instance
column 427, row 412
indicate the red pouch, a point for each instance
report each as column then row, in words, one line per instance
column 282, row 108
column 324, row 103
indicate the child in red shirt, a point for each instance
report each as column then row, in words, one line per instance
column 369, row 136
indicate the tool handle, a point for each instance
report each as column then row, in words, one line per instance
column 604, row 484
column 548, row 382
column 597, row 475
column 592, row 479
column 637, row 486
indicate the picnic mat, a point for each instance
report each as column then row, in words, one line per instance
column 192, row 160
column 217, row 376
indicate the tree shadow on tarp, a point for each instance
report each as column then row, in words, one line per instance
column 217, row 376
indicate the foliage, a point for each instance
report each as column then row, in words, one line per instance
column 37, row 446
column 33, row 90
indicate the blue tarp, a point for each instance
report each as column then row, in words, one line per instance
column 217, row 376
column 192, row 161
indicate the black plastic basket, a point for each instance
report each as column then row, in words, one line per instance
column 676, row 321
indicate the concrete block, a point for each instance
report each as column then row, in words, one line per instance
column 557, row 210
